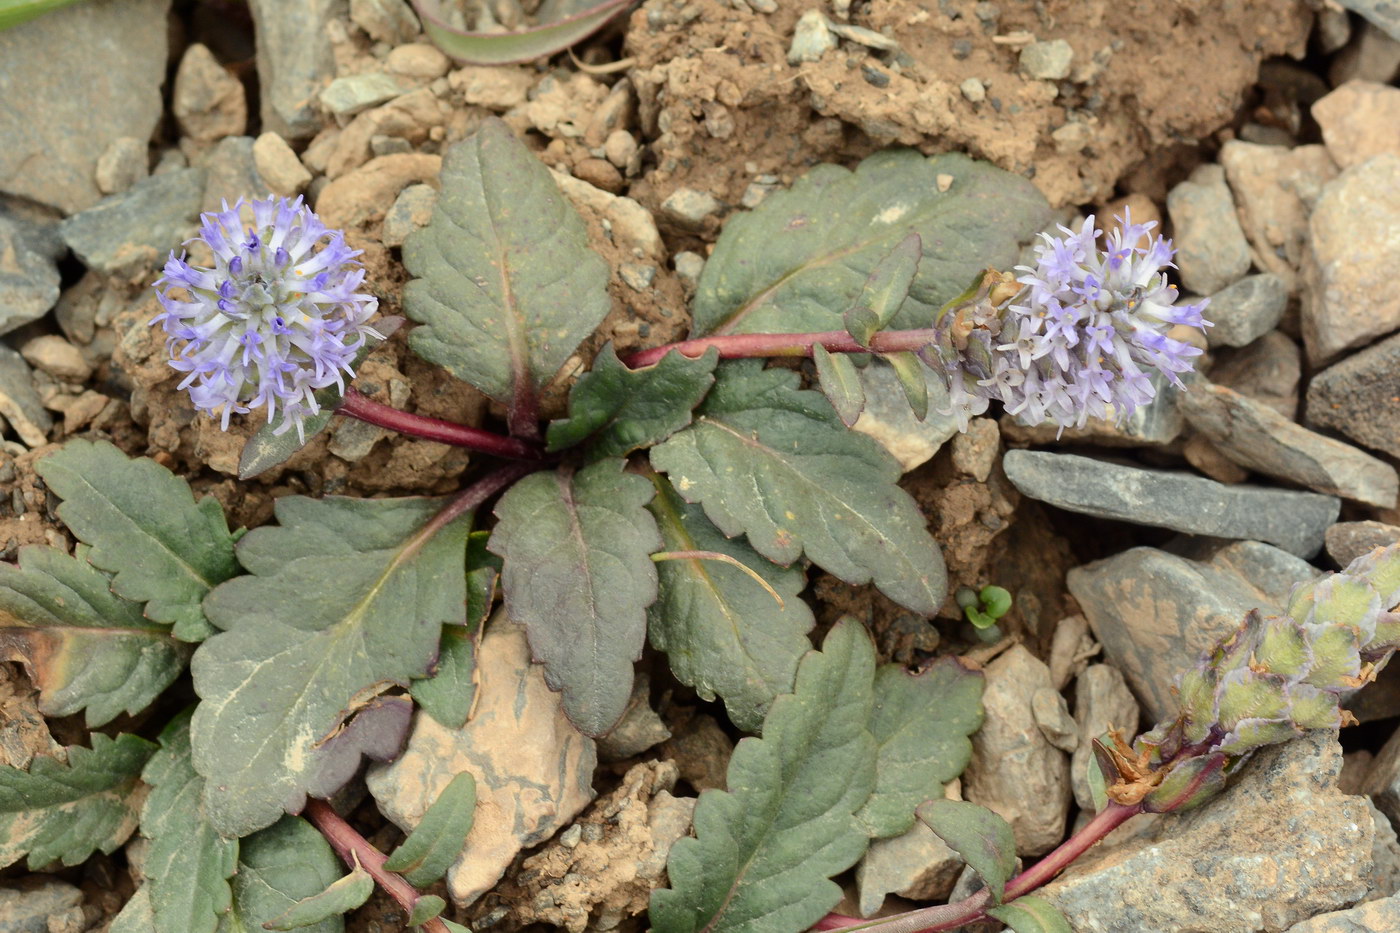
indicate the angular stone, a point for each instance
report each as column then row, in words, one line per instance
column 690, row 208
column 417, row 60
column 1383, row 13
column 1370, row 917
column 889, row 419
column 975, row 450
column 1259, row 438
column 1295, row 521
column 208, row 101
column 1102, row 701
column 1383, row 780
column 811, row 38
column 1211, row 250
column 494, row 88
column 1047, row 61
column 295, row 62
column 526, row 790
column 1354, row 243
column 1275, row 188
column 1360, row 397
column 19, row 403
column 1051, row 714
column 1247, row 310
column 29, row 275
column 40, row 904
column 345, row 97
column 633, row 227
column 122, row 165
column 1280, row 845
column 917, row 865
column 57, row 357
column 1346, row 541
column 385, row 20
column 1359, row 120
column 639, row 729
column 76, row 80
column 279, row 166
column 138, row 225
column 367, row 193
column 1071, row 646
column 412, row 209
column 1156, row 612
column 1268, row 371
column 231, row 172
column 1014, row 770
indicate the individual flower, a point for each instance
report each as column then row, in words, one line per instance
column 1082, row 337
column 275, row 319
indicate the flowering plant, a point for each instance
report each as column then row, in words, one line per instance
column 678, row 498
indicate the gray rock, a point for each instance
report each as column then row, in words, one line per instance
column 1385, row 853
column 1372, row 55
column 1346, row 541
column 888, row 418
column 1051, row 714
column 1275, row 188
column 1360, row 397
column 1372, row 917
column 122, row 165
column 39, row 904
column 1295, row 521
column 811, row 38
column 75, row 80
column 639, row 729
column 1384, row 13
column 1014, row 770
column 1155, row 424
column 1255, row 436
column 690, row 208
column 1348, row 299
column 975, row 450
column 917, row 865
column 974, row 90
column 347, row 96
column 388, row 21
column 1279, row 846
column 208, row 101
column 1383, row 780
column 28, row 273
column 412, row 209
column 381, row 145
column 295, row 62
column 1247, row 310
column 1156, row 612
column 689, row 265
column 1268, row 371
column 231, row 172
column 1102, row 701
column 1211, row 250
column 19, row 403
column 1047, row 61
column 138, row 225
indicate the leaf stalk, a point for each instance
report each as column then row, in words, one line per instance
column 357, row 406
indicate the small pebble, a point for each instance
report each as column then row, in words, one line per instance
column 121, row 165
column 347, row 96
column 57, row 357
column 638, row 276
column 620, row 147
column 417, row 60
column 1047, row 61
column 962, row 48
column 413, row 208
column 874, row 76
column 599, row 173
column 974, row 90
column 381, row 145
column 811, row 39
column 279, row 166
column 689, row 265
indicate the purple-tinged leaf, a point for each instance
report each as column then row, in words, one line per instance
column 982, row 838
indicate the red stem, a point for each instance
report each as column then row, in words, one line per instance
column 355, row 405
column 350, row 845
column 974, row 907
column 739, row 346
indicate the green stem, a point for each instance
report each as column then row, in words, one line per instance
column 740, row 346
column 355, row 405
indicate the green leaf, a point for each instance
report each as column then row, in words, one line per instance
column 435, row 844
column 83, row 646
column 483, row 573
column 982, row 838
column 136, row 915
column 345, row 598
column 340, row 897
column 144, row 526
column 503, row 48
column 506, row 285
column 885, row 290
column 764, row 850
column 774, row 462
column 1031, row 915
column 426, row 908
column 805, row 254
column 278, row 867
column 188, row 865
column 274, row 444
column 723, row 633
column 64, row 812
column 578, row 575
column 910, row 373
column 14, row 12
column 620, row 410
column 455, row 927
column 840, row 383
column 449, row 694
column 922, row 723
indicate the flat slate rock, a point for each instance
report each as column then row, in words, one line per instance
column 138, row 225
column 29, row 276
column 1247, row 310
column 1294, row 521
column 1360, row 397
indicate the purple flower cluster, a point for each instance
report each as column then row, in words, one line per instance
column 274, row 320
column 1081, row 338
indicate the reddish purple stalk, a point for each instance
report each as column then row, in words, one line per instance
column 355, row 405
column 352, row 847
column 974, row 907
column 740, row 346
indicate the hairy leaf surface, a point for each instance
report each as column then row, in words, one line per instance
column 620, row 410
column 922, row 723
column 345, row 598
column 578, row 575
column 506, row 285
column 981, row 837
column 84, row 647
column 764, row 850
column 723, row 633
column 188, row 865
column 64, row 812
column 436, row 842
column 774, row 462
column 144, row 526
column 800, row 259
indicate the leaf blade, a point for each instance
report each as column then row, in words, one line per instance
column 578, row 575
column 145, row 527
column 340, row 897
column 840, row 383
column 436, row 842
column 1029, row 914
column 277, row 867
column 885, row 290
column 774, row 462
column 982, row 838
